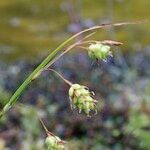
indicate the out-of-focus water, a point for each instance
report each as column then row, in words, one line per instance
column 32, row 28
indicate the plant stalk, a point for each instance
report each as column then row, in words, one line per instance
column 47, row 60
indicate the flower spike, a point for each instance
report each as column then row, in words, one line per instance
column 99, row 51
column 53, row 142
column 82, row 98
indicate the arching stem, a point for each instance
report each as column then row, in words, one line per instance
column 47, row 61
column 45, row 128
column 65, row 80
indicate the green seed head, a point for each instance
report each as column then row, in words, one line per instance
column 54, row 143
column 62, row 147
column 81, row 98
column 99, row 51
column 73, row 87
column 50, row 141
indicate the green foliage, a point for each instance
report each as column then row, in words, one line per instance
column 4, row 97
column 30, row 121
column 139, row 126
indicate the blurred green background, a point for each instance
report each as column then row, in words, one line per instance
column 31, row 29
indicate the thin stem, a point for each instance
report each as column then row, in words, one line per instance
column 68, row 49
column 108, row 42
column 77, row 44
column 65, row 80
column 60, row 55
column 45, row 128
column 89, row 35
column 111, row 42
column 48, row 59
column 84, row 48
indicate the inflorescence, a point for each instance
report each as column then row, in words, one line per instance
column 82, row 98
column 99, row 51
column 55, row 143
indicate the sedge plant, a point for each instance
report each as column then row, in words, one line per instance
column 79, row 95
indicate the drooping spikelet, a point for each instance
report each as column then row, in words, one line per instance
column 82, row 98
column 99, row 51
column 55, row 143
